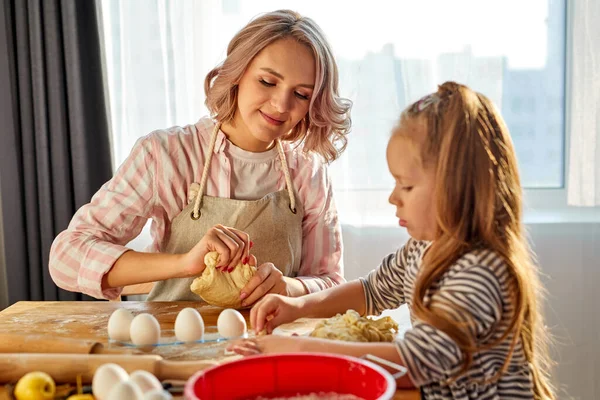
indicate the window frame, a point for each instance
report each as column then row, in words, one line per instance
column 540, row 204
column 555, row 199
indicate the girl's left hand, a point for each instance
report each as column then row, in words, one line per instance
column 268, row 344
column 268, row 279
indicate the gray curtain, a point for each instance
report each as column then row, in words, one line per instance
column 3, row 286
column 54, row 149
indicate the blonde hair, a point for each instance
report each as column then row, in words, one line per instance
column 324, row 128
column 479, row 205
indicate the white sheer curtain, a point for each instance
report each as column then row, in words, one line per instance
column 584, row 163
column 389, row 53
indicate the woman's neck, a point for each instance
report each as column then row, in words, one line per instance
column 238, row 133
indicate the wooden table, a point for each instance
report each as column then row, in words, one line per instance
column 88, row 320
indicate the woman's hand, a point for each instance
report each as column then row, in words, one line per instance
column 268, row 279
column 232, row 245
column 274, row 310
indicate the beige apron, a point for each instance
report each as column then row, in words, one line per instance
column 274, row 224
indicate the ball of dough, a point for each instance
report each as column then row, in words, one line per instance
column 222, row 289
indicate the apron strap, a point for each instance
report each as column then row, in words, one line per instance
column 286, row 173
column 211, row 148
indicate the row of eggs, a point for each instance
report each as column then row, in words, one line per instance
column 143, row 329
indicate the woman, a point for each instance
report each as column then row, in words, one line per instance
column 255, row 168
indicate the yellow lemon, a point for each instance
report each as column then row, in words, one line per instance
column 81, row 397
column 35, row 386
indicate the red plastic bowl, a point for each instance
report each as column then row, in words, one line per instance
column 291, row 374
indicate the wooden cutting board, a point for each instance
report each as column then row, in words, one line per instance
column 86, row 322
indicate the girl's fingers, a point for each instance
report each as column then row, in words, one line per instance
column 254, row 312
column 269, row 327
column 265, row 311
column 273, row 321
column 245, row 347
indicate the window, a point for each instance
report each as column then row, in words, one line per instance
column 389, row 52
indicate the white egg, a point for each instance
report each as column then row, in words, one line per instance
column 105, row 378
column 189, row 325
column 157, row 395
column 119, row 323
column 231, row 323
column 125, row 390
column 144, row 330
column 145, row 380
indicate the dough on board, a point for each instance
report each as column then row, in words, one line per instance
column 351, row 327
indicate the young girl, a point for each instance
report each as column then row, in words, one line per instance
column 466, row 273
column 254, row 169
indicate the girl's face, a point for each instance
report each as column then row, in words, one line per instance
column 413, row 193
column 274, row 94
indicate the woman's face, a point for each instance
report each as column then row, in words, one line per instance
column 274, row 94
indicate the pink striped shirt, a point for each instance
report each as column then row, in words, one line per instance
column 152, row 183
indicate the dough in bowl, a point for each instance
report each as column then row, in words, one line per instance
column 351, row 327
column 222, row 289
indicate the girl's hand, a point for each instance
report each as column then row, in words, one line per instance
column 268, row 279
column 274, row 310
column 232, row 245
column 270, row 344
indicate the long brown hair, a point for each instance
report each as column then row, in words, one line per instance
column 479, row 205
column 324, row 128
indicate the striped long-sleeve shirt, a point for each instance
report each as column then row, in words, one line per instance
column 475, row 289
column 153, row 183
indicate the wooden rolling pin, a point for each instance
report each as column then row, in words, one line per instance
column 23, row 343
column 64, row 368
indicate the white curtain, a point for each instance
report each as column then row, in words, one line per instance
column 390, row 53
column 584, row 164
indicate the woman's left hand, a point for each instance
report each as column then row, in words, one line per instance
column 268, row 279
column 268, row 344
